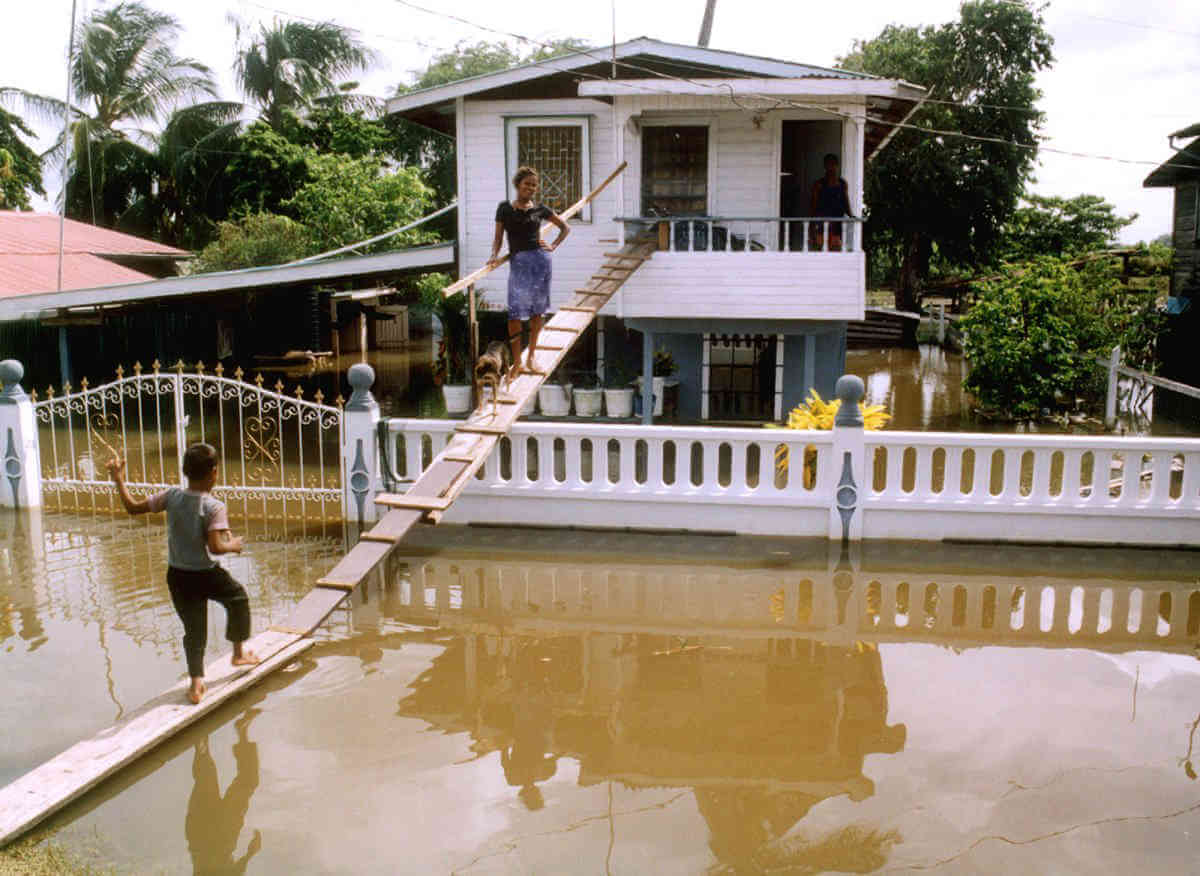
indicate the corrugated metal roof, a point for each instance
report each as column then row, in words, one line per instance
column 38, row 233
column 29, row 273
column 697, row 59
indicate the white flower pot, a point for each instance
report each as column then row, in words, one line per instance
column 458, row 397
column 555, row 400
column 619, row 402
column 588, row 402
column 656, row 386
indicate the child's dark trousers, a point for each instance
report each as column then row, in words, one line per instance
column 190, row 592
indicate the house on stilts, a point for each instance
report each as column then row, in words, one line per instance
column 748, row 291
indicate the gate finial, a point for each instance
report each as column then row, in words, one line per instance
column 11, row 372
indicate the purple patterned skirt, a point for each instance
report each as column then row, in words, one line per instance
column 529, row 284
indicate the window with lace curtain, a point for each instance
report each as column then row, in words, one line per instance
column 557, row 148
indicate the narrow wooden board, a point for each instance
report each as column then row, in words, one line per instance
column 624, row 255
column 557, row 328
column 356, row 565
column 576, row 321
column 550, row 347
column 313, row 610
column 480, row 429
column 416, row 503
column 284, row 628
column 393, row 525
column 51, row 786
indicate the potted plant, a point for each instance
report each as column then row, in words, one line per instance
column 451, row 371
column 554, row 396
column 588, row 395
column 664, row 367
column 618, row 394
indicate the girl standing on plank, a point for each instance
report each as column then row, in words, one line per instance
column 529, row 261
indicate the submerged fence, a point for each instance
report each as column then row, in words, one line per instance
column 286, row 457
column 280, row 454
column 843, row 483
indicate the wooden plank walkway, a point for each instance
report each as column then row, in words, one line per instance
column 51, row 786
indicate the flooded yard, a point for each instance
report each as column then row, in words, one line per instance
column 530, row 701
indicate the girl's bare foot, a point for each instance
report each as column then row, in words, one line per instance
column 196, row 691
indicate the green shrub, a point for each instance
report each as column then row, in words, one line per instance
column 1033, row 336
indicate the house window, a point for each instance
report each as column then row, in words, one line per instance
column 557, row 148
column 741, row 380
column 675, row 170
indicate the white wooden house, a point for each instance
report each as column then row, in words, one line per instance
column 722, row 149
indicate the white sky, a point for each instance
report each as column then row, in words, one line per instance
column 1125, row 74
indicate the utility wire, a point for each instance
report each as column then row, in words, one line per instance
column 780, row 102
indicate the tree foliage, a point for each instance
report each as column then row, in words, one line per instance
column 124, row 75
column 253, row 240
column 1032, row 337
column 287, row 68
column 435, row 151
column 348, row 200
column 1049, row 226
column 20, row 166
column 944, row 196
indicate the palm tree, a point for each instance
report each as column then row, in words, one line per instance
column 294, row 65
column 180, row 190
column 124, row 75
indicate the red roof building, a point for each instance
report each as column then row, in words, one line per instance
column 92, row 256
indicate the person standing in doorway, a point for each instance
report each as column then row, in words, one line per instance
column 830, row 197
column 529, row 267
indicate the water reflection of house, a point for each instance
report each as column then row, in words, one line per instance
column 761, row 729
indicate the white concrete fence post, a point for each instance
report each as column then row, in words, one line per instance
column 360, row 453
column 849, row 462
column 18, row 441
column 1110, row 400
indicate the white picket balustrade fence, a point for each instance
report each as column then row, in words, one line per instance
column 924, row 486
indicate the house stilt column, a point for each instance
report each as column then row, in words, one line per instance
column 647, row 378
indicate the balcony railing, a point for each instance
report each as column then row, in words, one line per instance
column 747, row 234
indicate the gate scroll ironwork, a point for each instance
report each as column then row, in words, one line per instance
column 280, row 454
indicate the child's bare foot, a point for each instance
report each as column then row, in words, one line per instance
column 242, row 657
column 196, row 691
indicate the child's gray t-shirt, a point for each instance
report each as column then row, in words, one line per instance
column 190, row 517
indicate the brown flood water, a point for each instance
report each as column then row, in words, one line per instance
column 538, row 701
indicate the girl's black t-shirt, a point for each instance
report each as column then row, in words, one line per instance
column 522, row 226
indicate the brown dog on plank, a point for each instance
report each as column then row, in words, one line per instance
column 489, row 369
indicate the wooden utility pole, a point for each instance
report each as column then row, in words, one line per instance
column 706, row 25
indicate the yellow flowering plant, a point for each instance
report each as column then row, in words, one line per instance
column 816, row 413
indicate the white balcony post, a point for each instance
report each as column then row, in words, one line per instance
column 19, row 437
column 848, row 461
column 360, row 454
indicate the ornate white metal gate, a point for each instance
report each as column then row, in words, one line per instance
column 280, row 454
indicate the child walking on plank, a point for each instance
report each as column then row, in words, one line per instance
column 197, row 531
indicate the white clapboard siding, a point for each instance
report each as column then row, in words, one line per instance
column 739, row 285
column 487, row 184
